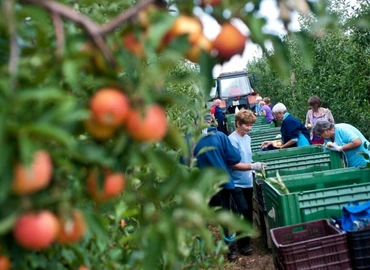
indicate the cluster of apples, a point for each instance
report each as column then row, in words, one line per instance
column 38, row 230
column 37, row 175
column 229, row 42
column 111, row 110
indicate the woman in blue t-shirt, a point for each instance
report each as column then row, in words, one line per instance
column 343, row 138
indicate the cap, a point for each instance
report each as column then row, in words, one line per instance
column 207, row 117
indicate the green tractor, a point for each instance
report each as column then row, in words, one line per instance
column 235, row 92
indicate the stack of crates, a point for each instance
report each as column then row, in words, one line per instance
column 259, row 125
column 290, row 161
column 318, row 188
column 359, row 248
column 315, row 195
column 319, row 195
column 296, row 160
column 312, row 245
column 260, row 120
column 260, row 134
column 258, row 137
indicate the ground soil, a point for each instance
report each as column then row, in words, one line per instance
column 261, row 258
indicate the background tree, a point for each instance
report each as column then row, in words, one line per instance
column 336, row 69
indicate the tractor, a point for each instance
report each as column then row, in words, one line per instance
column 235, row 92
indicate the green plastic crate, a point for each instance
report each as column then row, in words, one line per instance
column 320, row 161
column 315, row 195
column 296, row 163
column 263, row 127
column 230, row 122
column 287, row 152
column 270, row 131
column 256, row 142
column 260, row 120
column 263, row 137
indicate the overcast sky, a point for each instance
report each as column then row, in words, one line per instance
column 269, row 10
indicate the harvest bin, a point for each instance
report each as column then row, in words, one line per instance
column 258, row 133
column 262, row 127
column 297, row 161
column 288, row 155
column 257, row 141
column 266, row 136
column 359, row 248
column 320, row 161
column 310, row 245
column 260, row 120
column 315, row 195
column 287, row 152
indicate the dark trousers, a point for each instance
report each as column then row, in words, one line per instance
column 221, row 126
column 223, row 199
column 243, row 199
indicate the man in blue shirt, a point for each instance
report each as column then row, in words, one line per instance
column 222, row 155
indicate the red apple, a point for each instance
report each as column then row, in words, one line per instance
column 229, row 41
column 109, row 107
column 148, row 127
column 36, row 231
column 33, row 177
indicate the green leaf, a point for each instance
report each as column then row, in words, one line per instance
column 206, row 149
column 48, row 131
column 162, row 22
column 6, row 224
column 96, row 226
column 26, row 148
column 304, row 43
column 152, row 253
column 70, row 72
column 40, row 95
column 175, row 139
column 68, row 255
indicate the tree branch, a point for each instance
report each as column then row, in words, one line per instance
column 95, row 31
column 59, row 33
column 125, row 16
column 67, row 12
column 14, row 48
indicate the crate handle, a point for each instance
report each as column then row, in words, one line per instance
column 299, row 228
column 318, row 174
column 314, row 247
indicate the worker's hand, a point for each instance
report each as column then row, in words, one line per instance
column 265, row 144
column 258, row 166
column 333, row 147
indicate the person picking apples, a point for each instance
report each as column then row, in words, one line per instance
column 343, row 138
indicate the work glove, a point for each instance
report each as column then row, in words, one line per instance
column 258, row 166
column 334, row 147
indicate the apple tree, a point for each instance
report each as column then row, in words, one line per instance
column 96, row 98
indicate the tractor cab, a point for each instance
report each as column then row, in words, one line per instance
column 235, row 91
